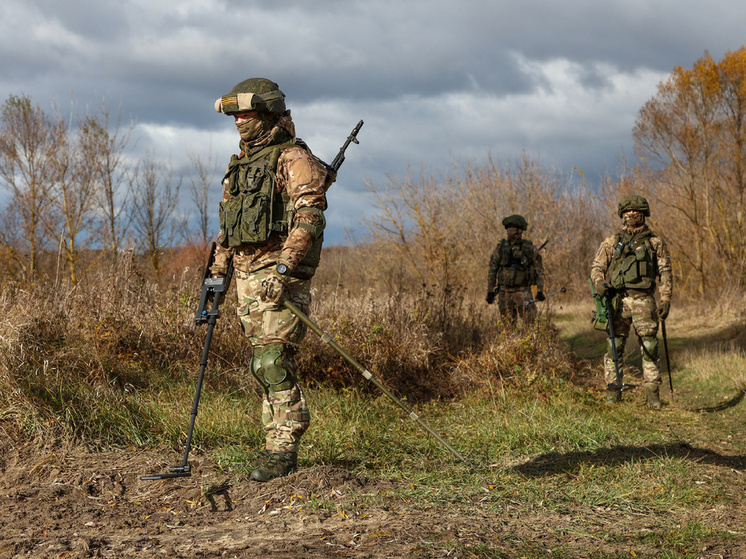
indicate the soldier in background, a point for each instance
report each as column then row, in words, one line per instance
column 515, row 265
column 271, row 221
column 630, row 264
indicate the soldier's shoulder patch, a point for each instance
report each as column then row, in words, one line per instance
column 300, row 171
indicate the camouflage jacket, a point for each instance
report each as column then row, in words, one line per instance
column 303, row 178
column 515, row 266
column 613, row 248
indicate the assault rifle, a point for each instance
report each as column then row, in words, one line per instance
column 603, row 319
column 208, row 312
column 352, row 138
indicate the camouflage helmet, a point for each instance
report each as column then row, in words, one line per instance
column 254, row 94
column 634, row 202
column 515, row 221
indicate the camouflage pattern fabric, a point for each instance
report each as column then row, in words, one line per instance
column 513, row 286
column 285, row 417
column 285, row 414
column 638, row 310
column 264, row 322
column 304, row 178
column 637, row 307
column 512, row 304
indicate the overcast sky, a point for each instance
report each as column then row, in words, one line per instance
column 435, row 81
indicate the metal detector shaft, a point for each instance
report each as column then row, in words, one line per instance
column 213, row 290
column 184, row 469
column 668, row 361
column 552, row 294
column 368, row 375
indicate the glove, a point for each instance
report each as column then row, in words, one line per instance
column 540, row 296
column 273, row 287
column 216, row 272
column 663, row 310
column 490, row 297
column 601, row 288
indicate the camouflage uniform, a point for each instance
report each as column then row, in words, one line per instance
column 515, row 265
column 300, row 184
column 643, row 254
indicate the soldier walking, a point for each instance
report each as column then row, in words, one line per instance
column 629, row 264
column 272, row 222
column 515, row 265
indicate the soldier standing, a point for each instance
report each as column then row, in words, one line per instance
column 515, row 265
column 271, row 221
column 629, row 264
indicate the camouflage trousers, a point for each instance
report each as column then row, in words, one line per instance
column 285, row 413
column 636, row 309
column 513, row 303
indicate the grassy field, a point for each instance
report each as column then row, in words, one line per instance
column 559, row 473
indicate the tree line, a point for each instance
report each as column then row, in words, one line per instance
column 72, row 191
column 72, row 188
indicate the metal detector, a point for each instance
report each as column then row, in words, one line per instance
column 552, row 294
column 618, row 385
column 213, row 290
column 668, row 360
column 326, row 338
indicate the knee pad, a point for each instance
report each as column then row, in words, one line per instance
column 650, row 348
column 271, row 365
column 619, row 342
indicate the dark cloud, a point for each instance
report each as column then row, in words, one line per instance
column 435, row 81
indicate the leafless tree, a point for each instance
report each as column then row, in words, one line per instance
column 27, row 142
column 155, row 197
column 109, row 141
column 200, row 182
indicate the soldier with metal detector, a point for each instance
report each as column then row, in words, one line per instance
column 628, row 267
column 271, row 226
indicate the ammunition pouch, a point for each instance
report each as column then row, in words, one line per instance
column 245, row 218
column 634, row 267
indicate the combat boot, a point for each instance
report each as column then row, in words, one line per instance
column 613, row 396
column 653, row 396
column 278, row 464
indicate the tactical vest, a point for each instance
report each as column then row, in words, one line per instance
column 634, row 264
column 515, row 263
column 253, row 212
